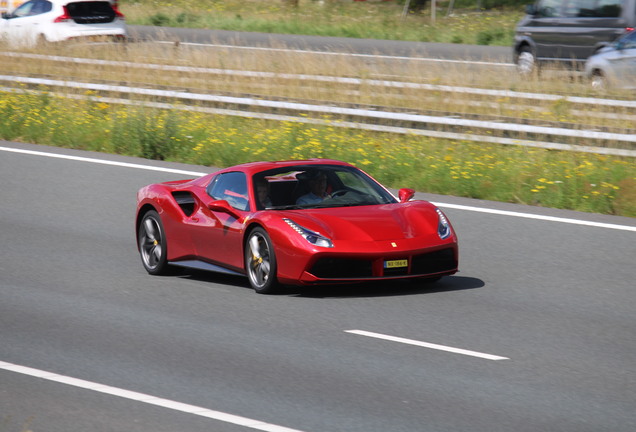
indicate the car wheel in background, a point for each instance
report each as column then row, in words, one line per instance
column 526, row 62
column 599, row 81
column 151, row 239
column 260, row 262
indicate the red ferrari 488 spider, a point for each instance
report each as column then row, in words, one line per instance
column 294, row 222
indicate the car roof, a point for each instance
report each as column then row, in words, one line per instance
column 252, row 168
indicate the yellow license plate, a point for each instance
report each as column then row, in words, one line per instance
column 396, row 263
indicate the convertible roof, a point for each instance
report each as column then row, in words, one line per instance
column 255, row 167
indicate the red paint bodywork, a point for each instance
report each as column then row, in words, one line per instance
column 215, row 233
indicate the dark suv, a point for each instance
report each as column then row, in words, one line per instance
column 569, row 31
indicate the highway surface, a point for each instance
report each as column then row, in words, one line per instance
column 325, row 44
column 536, row 332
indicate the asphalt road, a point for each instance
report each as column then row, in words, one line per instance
column 471, row 53
column 556, row 299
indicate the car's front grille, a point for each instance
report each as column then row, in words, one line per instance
column 398, row 271
column 341, row 268
column 346, row 268
column 434, row 262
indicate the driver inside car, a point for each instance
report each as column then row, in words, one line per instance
column 317, row 183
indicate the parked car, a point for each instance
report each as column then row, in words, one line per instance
column 567, row 32
column 614, row 66
column 293, row 222
column 58, row 20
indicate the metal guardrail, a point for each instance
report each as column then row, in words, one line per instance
column 617, row 103
column 370, row 119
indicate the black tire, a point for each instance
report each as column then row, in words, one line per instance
column 260, row 262
column 599, row 81
column 152, row 243
column 526, row 62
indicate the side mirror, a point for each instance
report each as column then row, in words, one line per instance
column 6, row 15
column 222, row 206
column 405, row 194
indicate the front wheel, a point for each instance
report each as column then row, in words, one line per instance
column 260, row 262
column 526, row 62
column 153, row 246
column 599, row 81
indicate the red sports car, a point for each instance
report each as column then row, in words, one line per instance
column 294, row 222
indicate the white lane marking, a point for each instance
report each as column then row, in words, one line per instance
column 145, row 398
column 427, row 345
column 102, row 161
column 440, row 204
column 539, row 217
column 329, row 53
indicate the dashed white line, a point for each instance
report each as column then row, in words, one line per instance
column 427, row 345
column 147, row 399
column 440, row 204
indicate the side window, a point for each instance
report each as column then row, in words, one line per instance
column 231, row 187
column 24, row 9
column 579, row 8
column 47, row 6
column 40, row 7
column 630, row 41
column 549, row 8
column 609, row 8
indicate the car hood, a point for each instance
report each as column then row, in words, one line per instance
column 370, row 223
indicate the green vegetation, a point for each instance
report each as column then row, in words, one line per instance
column 374, row 20
column 570, row 180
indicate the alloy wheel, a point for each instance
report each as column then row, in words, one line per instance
column 152, row 243
column 260, row 261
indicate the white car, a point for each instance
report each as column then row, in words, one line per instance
column 615, row 65
column 58, row 20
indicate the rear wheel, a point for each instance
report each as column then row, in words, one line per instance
column 152, row 242
column 260, row 262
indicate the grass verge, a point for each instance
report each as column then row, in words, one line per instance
column 373, row 20
column 567, row 180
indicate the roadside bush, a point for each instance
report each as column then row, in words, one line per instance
column 560, row 179
column 491, row 37
column 159, row 20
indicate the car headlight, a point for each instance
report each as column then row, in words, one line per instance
column 443, row 227
column 312, row 237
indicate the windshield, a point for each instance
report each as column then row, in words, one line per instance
column 317, row 186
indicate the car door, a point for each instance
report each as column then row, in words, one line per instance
column 625, row 62
column 17, row 21
column 22, row 27
column 544, row 30
column 218, row 233
column 588, row 25
column 578, row 30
